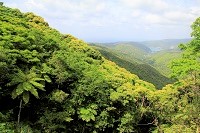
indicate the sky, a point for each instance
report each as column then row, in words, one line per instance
column 115, row 20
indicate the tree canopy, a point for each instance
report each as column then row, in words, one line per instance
column 64, row 85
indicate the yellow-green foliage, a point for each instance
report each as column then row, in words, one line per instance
column 69, row 87
column 161, row 60
column 143, row 70
column 76, row 85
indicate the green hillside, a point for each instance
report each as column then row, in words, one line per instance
column 131, row 51
column 55, row 83
column 138, row 53
column 50, row 82
column 144, row 71
column 161, row 60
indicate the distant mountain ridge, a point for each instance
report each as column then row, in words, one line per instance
column 147, row 46
column 132, row 43
column 165, row 44
column 132, row 50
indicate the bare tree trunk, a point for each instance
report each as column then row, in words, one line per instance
column 18, row 118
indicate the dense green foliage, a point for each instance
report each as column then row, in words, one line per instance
column 144, row 71
column 162, row 59
column 130, row 51
column 64, row 85
column 158, row 53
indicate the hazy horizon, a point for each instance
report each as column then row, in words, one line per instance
column 142, row 40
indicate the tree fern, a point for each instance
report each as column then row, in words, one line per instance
column 26, row 83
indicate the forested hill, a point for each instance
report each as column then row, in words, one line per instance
column 162, row 59
column 136, row 45
column 134, row 50
column 143, row 70
column 55, row 83
column 157, row 54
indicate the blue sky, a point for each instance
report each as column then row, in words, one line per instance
column 115, row 20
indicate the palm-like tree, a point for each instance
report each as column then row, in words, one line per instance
column 25, row 83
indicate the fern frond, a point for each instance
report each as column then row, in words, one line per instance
column 34, row 92
column 31, row 75
column 14, row 94
column 37, row 79
column 27, row 86
column 26, row 97
column 38, row 85
column 20, row 89
column 47, row 78
column 17, row 78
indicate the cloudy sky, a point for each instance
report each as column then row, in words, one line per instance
column 116, row 20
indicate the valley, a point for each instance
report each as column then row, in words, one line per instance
column 150, row 60
column 53, row 82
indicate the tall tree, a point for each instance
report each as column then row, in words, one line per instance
column 25, row 83
column 187, row 69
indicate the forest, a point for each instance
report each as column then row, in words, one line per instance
column 139, row 67
column 55, row 83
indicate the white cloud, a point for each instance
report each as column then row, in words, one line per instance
column 129, row 15
column 195, row 11
column 31, row 4
column 136, row 13
column 153, row 19
column 178, row 16
column 157, row 5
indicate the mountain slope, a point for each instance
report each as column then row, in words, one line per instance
column 52, row 82
column 144, row 71
column 55, row 83
column 157, row 54
column 162, row 59
column 132, row 51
